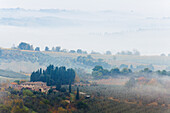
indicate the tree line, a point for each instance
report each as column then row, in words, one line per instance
column 54, row 75
column 26, row 46
column 100, row 72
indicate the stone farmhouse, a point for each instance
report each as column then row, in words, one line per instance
column 35, row 86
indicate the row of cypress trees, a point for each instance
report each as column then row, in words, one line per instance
column 54, row 75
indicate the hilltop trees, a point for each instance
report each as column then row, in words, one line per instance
column 72, row 51
column 47, row 48
column 108, row 53
column 54, row 76
column 25, row 46
column 79, row 51
column 58, row 48
column 134, row 52
column 37, row 49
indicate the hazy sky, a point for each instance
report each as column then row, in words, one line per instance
column 148, row 42
column 144, row 6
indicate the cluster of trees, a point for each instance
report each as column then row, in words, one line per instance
column 90, row 61
column 58, row 49
column 99, row 71
column 25, row 46
column 79, row 51
column 163, row 72
column 54, row 75
column 134, row 52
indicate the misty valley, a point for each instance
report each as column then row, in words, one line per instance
column 84, row 56
column 74, row 81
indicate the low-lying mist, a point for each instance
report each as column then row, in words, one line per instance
column 146, row 91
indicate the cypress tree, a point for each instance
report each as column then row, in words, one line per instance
column 77, row 96
column 70, row 87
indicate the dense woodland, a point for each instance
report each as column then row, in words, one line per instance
column 54, row 75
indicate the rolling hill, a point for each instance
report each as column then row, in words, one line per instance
column 28, row 61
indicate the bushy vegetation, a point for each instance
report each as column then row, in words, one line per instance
column 28, row 101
